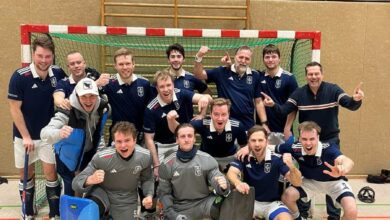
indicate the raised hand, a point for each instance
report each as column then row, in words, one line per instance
column 358, row 93
column 172, row 115
column 222, row 182
column 202, row 51
column 96, row 178
column 65, row 131
column 267, row 100
column 287, row 159
column 226, row 60
column 103, row 79
column 335, row 171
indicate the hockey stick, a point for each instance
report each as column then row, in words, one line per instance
column 25, row 177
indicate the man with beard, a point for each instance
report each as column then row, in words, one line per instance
column 323, row 167
column 88, row 114
column 31, row 105
column 77, row 69
column 158, row 137
column 262, row 171
column 319, row 101
column 113, row 175
column 127, row 92
column 238, row 83
column 185, row 177
column 220, row 133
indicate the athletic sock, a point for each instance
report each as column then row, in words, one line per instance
column 29, row 199
column 53, row 193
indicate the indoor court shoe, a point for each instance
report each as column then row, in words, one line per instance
column 385, row 173
column 378, row 179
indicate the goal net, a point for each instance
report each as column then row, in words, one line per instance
column 98, row 43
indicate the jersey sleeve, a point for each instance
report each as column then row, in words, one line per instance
column 149, row 122
column 241, row 135
column 292, row 85
column 212, row 174
column 283, row 168
column 289, row 106
column 213, row 74
column 15, row 89
column 61, row 87
column 187, row 95
column 147, row 182
column 79, row 181
column 286, row 147
column 237, row 164
column 164, row 191
column 345, row 100
column 199, row 85
column 257, row 85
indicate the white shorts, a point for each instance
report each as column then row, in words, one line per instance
column 269, row 210
column 42, row 151
column 332, row 188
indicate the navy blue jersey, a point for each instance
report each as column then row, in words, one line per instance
column 312, row 166
column 241, row 91
column 279, row 88
column 220, row 144
column 36, row 96
column 322, row 108
column 263, row 176
column 155, row 118
column 66, row 85
column 128, row 101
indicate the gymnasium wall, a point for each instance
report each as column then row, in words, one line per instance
column 355, row 47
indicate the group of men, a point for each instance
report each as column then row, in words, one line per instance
column 160, row 118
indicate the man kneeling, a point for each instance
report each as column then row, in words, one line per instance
column 112, row 177
column 262, row 170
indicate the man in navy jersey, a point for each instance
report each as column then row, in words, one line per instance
column 278, row 84
column 127, row 92
column 239, row 83
column 31, row 106
column 182, row 78
column 77, row 69
column 262, row 172
column 319, row 101
column 155, row 119
column 219, row 132
column 323, row 167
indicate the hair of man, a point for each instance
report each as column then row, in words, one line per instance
column 184, row 125
column 124, row 127
column 220, row 102
column 175, row 47
column 44, row 42
column 309, row 126
column 270, row 49
column 162, row 75
column 123, row 52
column 257, row 128
column 314, row 63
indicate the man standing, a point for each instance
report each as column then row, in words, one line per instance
column 238, row 83
column 31, row 106
column 278, row 84
column 158, row 137
column 113, row 175
column 88, row 115
column 323, row 167
column 262, row 171
column 185, row 177
column 78, row 70
column 128, row 93
column 219, row 132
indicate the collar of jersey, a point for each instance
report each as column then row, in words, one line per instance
column 34, row 71
column 120, row 81
column 233, row 69
column 228, row 126
column 182, row 72
column 71, row 80
column 319, row 150
column 278, row 74
column 267, row 157
column 162, row 103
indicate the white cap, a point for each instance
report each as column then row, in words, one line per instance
column 86, row 86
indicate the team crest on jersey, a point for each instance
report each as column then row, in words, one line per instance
column 53, row 81
column 278, row 83
column 267, row 167
column 177, row 105
column 228, row 137
column 319, row 161
column 140, row 91
column 198, row 171
column 186, row 84
column 249, row 80
column 137, row 169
